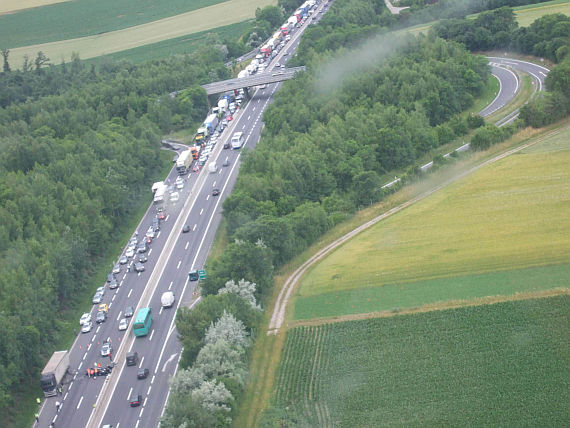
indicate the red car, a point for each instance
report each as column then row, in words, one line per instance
column 161, row 215
column 229, row 117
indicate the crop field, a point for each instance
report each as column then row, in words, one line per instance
column 79, row 18
column 11, row 6
column 208, row 18
column 178, row 46
column 508, row 216
column 504, row 364
column 527, row 14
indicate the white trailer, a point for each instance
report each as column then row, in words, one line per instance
column 54, row 372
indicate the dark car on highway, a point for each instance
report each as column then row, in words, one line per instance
column 142, row 374
column 215, row 192
column 101, row 317
column 129, row 312
column 186, row 228
column 135, row 400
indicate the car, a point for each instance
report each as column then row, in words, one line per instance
column 186, row 228
column 277, row 65
column 161, row 215
column 142, row 258
column 97, row 298
column 282, row 65
column 229, row 117
column 226, row 163
column 124, row 259
column 142, row 248
column 86, row 327
column 129, row 312
column 227, row 145
column 132, row 358
column 148, row 240
column 110, row 277
column 224, row 122
column 117, row 268
column 106, row 349
column 193, row 275
column 142, row 374
column 123, row 324
column 103, row 307
column 156, row 224
column 174, row 197
column 135, row 400
column 180, row 185
column 139, row 267
column 150, row 232
column 100, row 317
column 85, row 318
column 215, row 192
column 101, row 291
column 286, row 53
column 130, row 252
column 113, row 284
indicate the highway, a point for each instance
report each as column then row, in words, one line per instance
column 93, row 402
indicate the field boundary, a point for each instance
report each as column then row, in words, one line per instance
column 431, row 307
column 278, row 316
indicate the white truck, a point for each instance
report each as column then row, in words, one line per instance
column 167, row 299
column 183, row 162
column 54, row 372
column 237, row 140
column 160, row 194
column 157, row 185
column 212, row 167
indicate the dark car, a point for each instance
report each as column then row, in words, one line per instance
column 101, row 317
column 227, row 145
column 143, row 258
column 129, row 312
column 142, row 248
column 135, row 400
column 215, row 192
column 142, row 374
column 132, row 358
column 226, row 163
column 110, row 277
column 186, row 228
column 139, row 267
column 193, row 275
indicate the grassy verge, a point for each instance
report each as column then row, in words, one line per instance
column 417, row 294
column 491, row 365
column 23, row 416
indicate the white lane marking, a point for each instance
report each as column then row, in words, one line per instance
column 201, row 211
column 194, row 228
column 98, row 328
column 88, row 347
column 113, row 299
column 542, row 73
column 170, row 285
column 80, row 401
column 65, row 396
column 166, row 219
column 137, row 424
column 186, row 246
column 149, row 251
column 179, row 263
column 130, row 291
column 259, row 100
column 172, row 357
column 119, row 316
column 249, row 117
column 142, row 410
column 130, row 392
column 152, row 380
column 220, row 171
column 93, row 338
column 149, row 388
column 158, row 234
column 243, row 127
column 110, row 304
column 141, row 364
column 208, row 197
column 253, row 109
column 139, row 274
column 160, row 311
column 78, row 368
column 151, row 334
column 121, row 283
column 214, row 184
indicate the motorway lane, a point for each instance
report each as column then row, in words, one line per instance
column 508, row 87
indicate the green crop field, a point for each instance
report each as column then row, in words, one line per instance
column 510, row 215
column 180, row 45
column 527, row 14
column 196, row 21
column 79, row 18
column 505, row 364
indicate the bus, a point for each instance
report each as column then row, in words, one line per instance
column 143, row 321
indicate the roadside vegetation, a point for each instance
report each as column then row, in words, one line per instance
column 492, row 365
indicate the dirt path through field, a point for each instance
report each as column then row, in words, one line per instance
column 226, row 13
column 284, row 296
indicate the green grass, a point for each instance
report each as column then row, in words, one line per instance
column 490, row 91
column 505, row 364
column 416, row 294
column 527, row 14
column 177, row 46
column 81, row 18
column 512, row 214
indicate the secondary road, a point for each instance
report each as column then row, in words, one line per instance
column 104, row 400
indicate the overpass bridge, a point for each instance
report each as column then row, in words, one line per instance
column 276, row 75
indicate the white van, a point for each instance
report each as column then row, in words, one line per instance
column 237, row 140
column 212, row 167
column 167, row 299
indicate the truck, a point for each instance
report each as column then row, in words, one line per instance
column 265, row 50
column 201, row 135
column 167, row 299
column 211, row 123
column 195, row 152
column 183, row 162
column 223, row 104
column 157, row 185
column 292, row 21
column 285, row 29
column 54, row 372
column 237, row 140
column 159, row 195
column 212, row 167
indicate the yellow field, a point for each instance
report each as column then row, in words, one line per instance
column 195, row 21
column 525, row 17
column 10, row 6
column 509, row 215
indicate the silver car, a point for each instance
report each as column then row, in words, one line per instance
column 97, row 298
column 123, row 324
column 86, row 327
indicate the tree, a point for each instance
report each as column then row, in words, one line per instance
column 271, row 14
column 40, row 61
column 228, row 329
column 5, row 53
column 244, row 289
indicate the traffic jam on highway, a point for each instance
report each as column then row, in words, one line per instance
column 126, row 348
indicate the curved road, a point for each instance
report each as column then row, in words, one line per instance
column 509, row 86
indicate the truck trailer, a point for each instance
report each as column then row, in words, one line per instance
column 54, row 372
column 183, row 162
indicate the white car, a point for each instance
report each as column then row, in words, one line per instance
column 179, row 185
column 86, row 328
column 101, row 291
column 150, row 232
column 106, row 349
column 123, row 324
column 130, row 252
column 85, row 318
column 174, row 197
